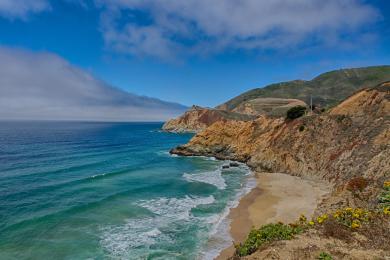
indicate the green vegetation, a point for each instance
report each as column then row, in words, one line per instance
column 325, row 256
column 327, row 89
column 267, row 233
column 296, row 112
column 372, row 224
column 384, row 198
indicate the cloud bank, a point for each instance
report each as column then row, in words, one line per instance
column 164, row 29
column 45, row 86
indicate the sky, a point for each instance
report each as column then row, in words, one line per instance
column 184, row 51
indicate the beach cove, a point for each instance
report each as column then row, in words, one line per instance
column 277, row 197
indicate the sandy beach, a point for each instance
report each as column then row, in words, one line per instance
column 277, row 197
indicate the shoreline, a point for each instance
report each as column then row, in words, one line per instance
column 276, row 197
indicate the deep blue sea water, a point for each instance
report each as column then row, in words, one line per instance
column 71, row 190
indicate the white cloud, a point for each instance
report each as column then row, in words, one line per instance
column 45, row 86
column 22, row 8
column 202, row 26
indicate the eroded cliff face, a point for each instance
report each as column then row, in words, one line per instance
column 198, row 118
column 351, row 140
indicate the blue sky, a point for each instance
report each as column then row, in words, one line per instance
column 196, row 51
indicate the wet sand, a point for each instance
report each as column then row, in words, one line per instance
column 277, row 197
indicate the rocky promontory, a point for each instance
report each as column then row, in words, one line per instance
column 199, row 118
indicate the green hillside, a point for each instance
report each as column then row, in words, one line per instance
column 327, row 89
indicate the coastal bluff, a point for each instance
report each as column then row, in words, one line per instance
column 199, row 118
column 347, row 146
column 352, row 139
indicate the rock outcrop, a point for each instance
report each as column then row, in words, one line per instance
column 353, row 139
column 199, row 118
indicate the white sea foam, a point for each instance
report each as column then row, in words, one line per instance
column 166, row 154
column 219, row 236
column 175, row 208
column 138, row 235
column 98, row 175
column 211, row 177
column 138, row 238
column 119, row 241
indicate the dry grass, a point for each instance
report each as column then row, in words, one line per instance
column 332, row 228
column 377, row 233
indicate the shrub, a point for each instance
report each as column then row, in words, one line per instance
column 357, row 184
column 267, row 233
column 325, row 256
column 384, row 198
column 296, row 112
column 340, row 118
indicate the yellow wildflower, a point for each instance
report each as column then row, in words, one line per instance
column 325, row 216
column 311, row 223
column 355, row 215
column 348, row 209
column 386, row 184
column 386, row 210
column 355, row 224
column 320, row 220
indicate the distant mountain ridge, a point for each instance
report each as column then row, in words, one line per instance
column 327, row 89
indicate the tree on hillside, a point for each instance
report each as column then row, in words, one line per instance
column 296, row 112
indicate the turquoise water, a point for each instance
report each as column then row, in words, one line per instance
column 110, row 191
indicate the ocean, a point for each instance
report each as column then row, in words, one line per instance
column 72, row 190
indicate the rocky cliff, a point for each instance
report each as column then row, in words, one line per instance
column 349, row 146
column 352, row 139
column 199, row 118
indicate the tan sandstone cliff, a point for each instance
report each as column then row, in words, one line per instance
column 353, row 139
column 199, row 118
column 349, row 142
